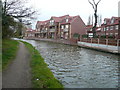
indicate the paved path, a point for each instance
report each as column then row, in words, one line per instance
column 18, row 73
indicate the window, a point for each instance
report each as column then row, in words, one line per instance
column 62, row 27
column 66, row 26
column 111, row 34
column 104, row 29
column 111, row 28
column 107, row 28
column 105, row 22
column 51, row 22
column 66, row 34
column 112, row 21
column 116, row 27
column 66, row 20
column 91, row 29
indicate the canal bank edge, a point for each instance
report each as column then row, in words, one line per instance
column 99, row 49
column 83, row 46
column 42, row 77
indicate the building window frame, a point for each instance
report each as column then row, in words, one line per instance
column 111, row 27
column 62, row 26
column 107, row 28
column 66, row 20
column 67, row 26
column 116, row 27
column 112, row 21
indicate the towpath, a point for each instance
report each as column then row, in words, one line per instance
column 18, row 75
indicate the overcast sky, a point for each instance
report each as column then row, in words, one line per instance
column 48, row 8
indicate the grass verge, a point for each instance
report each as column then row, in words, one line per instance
column 42, row 77
column 9, row 50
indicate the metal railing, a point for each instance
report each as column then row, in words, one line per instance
column 52, row 30
column 65, row 30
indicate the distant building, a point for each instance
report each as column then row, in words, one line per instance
column 63, row 27
column 110, row 27
column 30, row 33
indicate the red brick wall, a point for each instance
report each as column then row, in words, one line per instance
column 78, row 26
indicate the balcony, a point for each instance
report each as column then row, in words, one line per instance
column 37, row 32
column 43, row 31
column 65, row 30
column 52, row 30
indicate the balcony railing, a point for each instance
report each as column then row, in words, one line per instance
column 52, row 30
column 43, row 31
column 65, row 30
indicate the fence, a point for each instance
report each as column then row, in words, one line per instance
column 112, row 42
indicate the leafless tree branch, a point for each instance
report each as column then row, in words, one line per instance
column 91, row 4
column 17, row 9
column 98, row 2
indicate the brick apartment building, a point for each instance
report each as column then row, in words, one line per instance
column 109, row 28
column 30, row 33
column 63, row 27
column 42, row 29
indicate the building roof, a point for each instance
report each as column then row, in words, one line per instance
column 109, row 20
column 29, row 30
column 70, row 19
column 43, row 22
column 59, row 19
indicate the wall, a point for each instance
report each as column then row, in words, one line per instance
column 78, row 26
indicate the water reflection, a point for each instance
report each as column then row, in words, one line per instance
column 77, row 67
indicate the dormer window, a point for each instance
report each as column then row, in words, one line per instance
column 112, row 21
column 66, row 20
column 105, row 22
column 51, row 22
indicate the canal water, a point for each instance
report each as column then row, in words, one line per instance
column 77, row 67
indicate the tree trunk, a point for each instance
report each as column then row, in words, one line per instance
column 95, row 24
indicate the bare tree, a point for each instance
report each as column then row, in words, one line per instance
column 99, row 20
column 89, row 20
column 95, row 8
column 16, row 11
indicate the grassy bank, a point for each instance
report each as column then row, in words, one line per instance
column 9, row 50
column 42, row 77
